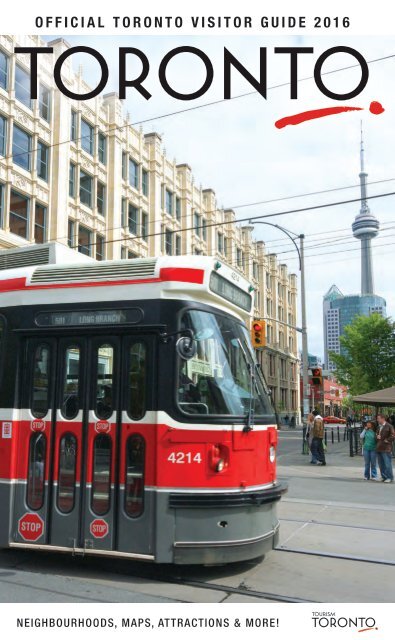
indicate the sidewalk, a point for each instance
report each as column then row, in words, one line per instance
column 333, row 512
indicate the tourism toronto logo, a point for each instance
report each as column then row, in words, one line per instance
column 329, row 620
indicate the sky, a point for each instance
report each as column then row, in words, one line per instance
column 234, row 148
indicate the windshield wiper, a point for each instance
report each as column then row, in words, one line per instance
column 249, row 425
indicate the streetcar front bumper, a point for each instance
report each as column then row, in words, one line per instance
column 223, row 527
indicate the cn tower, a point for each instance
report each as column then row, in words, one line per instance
column 365, row 227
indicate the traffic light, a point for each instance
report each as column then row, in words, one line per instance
column 316, row 376
column 258, row 333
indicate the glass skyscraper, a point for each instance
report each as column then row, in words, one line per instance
column 339, row 311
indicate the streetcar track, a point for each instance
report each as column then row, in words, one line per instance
column 336, row 556
column 336, row 524
column 245, row 591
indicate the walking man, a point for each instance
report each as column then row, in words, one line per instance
column 385, row 436
column 317, row 443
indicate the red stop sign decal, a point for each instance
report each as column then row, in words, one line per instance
column 99, row 528
column 31, row 527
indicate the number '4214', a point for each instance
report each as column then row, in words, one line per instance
column 181, row 457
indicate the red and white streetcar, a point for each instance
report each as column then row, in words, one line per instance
column 134, row 420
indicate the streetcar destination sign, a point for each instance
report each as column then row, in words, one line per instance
column 85, row 318
column 230, row 291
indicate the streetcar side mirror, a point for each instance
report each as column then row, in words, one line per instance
column 186, row 347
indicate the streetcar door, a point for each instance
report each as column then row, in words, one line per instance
column 137, row 471
column 85, row 444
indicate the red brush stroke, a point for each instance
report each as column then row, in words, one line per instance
column 376, row 108
column 312, row 115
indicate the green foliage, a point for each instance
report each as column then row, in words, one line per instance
column 368, row 361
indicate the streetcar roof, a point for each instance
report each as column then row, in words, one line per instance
column 64, row 268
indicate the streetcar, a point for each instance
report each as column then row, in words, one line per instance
column 135, row 422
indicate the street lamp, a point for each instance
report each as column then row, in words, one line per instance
column 305, row 355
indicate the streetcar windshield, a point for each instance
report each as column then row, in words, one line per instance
column 218, row 379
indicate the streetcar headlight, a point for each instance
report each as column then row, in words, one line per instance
column 219, row 457
column 272, row 453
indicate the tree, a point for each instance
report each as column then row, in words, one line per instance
column 368, row 359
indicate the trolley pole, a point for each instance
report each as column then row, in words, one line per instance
column 305, row 351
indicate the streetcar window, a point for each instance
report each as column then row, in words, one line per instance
column 36, row 471
column 134, row 488
column 71, row 383
column 104, row 384
column 222, row 377
column 136, row 381
column 40, row 392
column 101, row 475
column 67, row 466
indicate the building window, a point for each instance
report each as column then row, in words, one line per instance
column 204, row 230
column 72, row 169
column 124, row 205
column 1, row 205
column 101, row 198
column 169, row 202
column 40, row 220
column 178, row 245
column 102, row 148
column 255, row 272
column 19, row 214
column 168, row 242
column 178, row 208
column 220, row 242
column 44, row 102
column 225, row 246
column 42, row 161
column 21, row 147
column 100, row 247
column 87, row 137
column 22, row 86
column 132, row 255
column 196, row 223
column 144, row 226
column 133, row 219
column 3, row 71
column 70, row 233
column 144, row 182
column 239, row 257
column 124, row 166
column 3, row 135
column 84, row 240
column 133, row 174
column 86, row 189
column 74, row 126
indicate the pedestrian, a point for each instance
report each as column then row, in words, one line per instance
column 317, row 443
column 368, row 437
column 286, row 419
column 385, row 437
column 308, row 431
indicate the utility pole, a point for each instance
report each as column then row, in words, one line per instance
column 305, row 351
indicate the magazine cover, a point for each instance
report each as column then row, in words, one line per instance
column 197, row 344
